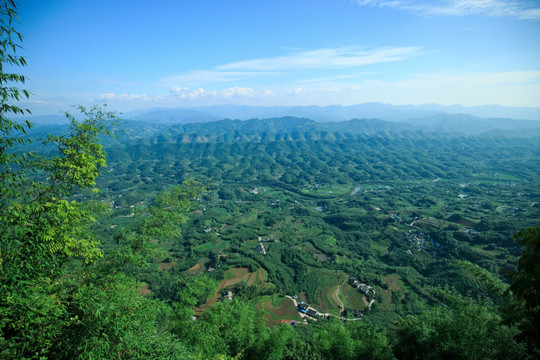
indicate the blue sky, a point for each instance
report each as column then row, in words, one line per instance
column 140, row 54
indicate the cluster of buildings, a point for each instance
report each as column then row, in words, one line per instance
column 260, row 248
column 227, row 294
column 365, row 289
column 415, row 239
column 306, row 309
column 470, row 231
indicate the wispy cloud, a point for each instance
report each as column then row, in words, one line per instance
column 335, row 78
column 237, row 92
column 513, row 88
column 297, row 63
column 186, row 94
column 231, row 92
column 125, row 97
column 527, row 10
column 326, row 58
column 202, row 77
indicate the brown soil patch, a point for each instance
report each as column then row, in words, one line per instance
column 366, row 303
column 251, row 279
column 394, row 287
column 386, row 297
column 145, row 290
column 392, row 280
column 336, row 298
column 195, row 268
column 286, row 311
column 466, row 222
column 286, row 308
column 165, row 266
column 240, row 275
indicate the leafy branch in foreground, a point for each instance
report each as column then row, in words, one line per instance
column 11, row 132
column 42, row 228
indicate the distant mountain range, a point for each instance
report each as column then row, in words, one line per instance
column 365, row 118
column 367, row 110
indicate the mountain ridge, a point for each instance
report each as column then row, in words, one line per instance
column 329, row 113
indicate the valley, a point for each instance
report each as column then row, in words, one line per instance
column 396, row 211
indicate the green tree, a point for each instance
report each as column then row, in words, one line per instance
column 227, row 328
column 53, row 301
column 11, row 132
column 525, row 290
column 351, row 340
column 106, row 317
column 280, row 342
column 462, row 329
column 41, row 229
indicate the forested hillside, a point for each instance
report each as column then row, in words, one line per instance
column 278, row 238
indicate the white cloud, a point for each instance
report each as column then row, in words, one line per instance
column 128, row 97
column 296, row 91
column 237, row 92
column 331, row 89
column 334, row 79
column 280, row 66
column 191, row 94
column 521, row 88
column 202, row 77
column 531, row 14
column 176, row 91
column 201, row 93
column 518, row 9
column 292, row 66
column 513, row 88
column 326, row 58
column 107, row 96
column 518, row 88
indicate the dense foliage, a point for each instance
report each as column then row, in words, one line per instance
column 396, row 238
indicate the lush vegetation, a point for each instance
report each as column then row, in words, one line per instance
column 132, row 246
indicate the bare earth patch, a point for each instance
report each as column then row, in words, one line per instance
column 145, row 290
column 165, row 266
column 365, row 301
column 284, row 313
column 235, row 276
column 336, row 298
column 194, row 269
column 392, row 280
